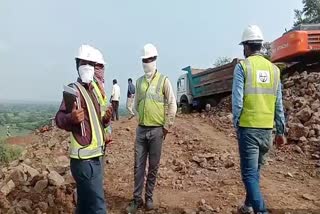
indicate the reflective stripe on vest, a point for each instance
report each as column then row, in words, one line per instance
column 102, row 101
column 96, row 147
column 103, row 104
column 151, row 100
column 262, row 79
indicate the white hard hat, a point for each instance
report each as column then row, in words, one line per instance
column 100, row 58
column 252, row 34
column 149, row 50
column 89, row 53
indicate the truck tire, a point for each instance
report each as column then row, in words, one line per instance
column 185, row 108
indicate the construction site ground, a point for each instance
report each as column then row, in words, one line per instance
column 290, row 181
column 199, row 172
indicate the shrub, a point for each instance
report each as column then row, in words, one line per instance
column 8, row 152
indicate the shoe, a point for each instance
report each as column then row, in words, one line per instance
column 134, row 206
column 132, row 116
column 245, row 210
column 149, row 204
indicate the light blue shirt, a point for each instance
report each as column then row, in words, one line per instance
column 237, row 101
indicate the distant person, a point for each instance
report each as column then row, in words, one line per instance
column 8, row 131
column 154, row 92
column 256, row 104
column 87, row 149
column 115, row 99
column 130, row 98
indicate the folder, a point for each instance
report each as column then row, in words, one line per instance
column 70, row 96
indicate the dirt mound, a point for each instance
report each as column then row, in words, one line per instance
column 301, row 99
column 40, row 181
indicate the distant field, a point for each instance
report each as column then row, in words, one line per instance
column 14, row 132
column 24, row 118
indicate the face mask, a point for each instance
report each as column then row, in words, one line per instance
column 149, row 69
column 86, row 73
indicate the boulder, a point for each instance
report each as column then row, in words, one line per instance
column 305, row 114
column 297, row 131
column 55, row 178
column 8, row 187
column 41, row 185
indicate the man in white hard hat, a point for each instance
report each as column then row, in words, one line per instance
column 256, row 104
column 87, row 145
column 153, row 92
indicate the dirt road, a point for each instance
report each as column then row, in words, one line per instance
column 199, row 171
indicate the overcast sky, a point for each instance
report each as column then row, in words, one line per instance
column 39, row 38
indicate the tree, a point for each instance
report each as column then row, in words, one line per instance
column 266, row 49
column 222, row 61
column 310, row 13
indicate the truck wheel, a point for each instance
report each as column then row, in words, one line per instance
column 185, row 108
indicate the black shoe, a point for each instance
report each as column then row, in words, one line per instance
column 149, row 204
column 134, row 206
column 245, row 210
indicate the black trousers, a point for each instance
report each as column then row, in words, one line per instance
column 115, row 107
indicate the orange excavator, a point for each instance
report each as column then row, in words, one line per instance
column 298, row 49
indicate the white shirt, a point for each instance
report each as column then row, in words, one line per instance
column 115, row 92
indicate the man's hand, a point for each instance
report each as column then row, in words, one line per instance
column 108, row 114
column 108, row 139
column 77, row 115
column 165, row 132
column 280, row 140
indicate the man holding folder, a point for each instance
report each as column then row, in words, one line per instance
column 85, row 114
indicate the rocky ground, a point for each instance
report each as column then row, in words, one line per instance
column 199, row 171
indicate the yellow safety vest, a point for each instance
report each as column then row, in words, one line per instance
column 262, row 79
column 96, row 147
column 151, row 100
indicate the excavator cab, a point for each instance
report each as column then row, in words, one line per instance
column 299, row 47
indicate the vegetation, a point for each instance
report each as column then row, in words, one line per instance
column 266, row 50
column 19, row 119
column 309, row 14
column 8, row 153
column 222, row 61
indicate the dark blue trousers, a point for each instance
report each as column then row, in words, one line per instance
column 88, row 175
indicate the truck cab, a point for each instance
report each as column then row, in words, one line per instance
column 184, row 95
column 199, row 87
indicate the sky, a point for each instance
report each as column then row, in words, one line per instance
column 40, row 38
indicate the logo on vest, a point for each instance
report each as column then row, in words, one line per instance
column 263, row 76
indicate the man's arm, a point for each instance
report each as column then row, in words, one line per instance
column 279, row 112
column 237, row 94
column 63, row 119
column 172, row 104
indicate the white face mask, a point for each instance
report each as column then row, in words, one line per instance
column 86, row 73
column 149, row 69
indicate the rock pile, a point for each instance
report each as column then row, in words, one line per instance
column 220, row 115
column 301, row 100
column 301, row 97
column 40, row 181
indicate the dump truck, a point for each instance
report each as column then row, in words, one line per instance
column 199, row 87
column 298, row 49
